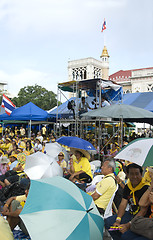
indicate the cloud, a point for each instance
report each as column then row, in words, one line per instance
column 27, row 77
column 47, row 16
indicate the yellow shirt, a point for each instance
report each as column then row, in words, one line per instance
column 63, row 164
column 43, row 130
column 29, row 152
column 5, row 230
column 6, row 146
column 105, row 188
column 82, row 165
column 122, row 176
column 1, row 129
column 19, row 173
column 147, row 177
column 21, row 198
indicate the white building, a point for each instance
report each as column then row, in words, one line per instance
column 3, row 89
column 135, row 80
column 89, row 68
column 142, row 80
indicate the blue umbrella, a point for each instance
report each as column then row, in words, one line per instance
column 57, row 209
column 75, row 142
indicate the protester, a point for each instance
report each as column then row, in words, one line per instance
column 38, row 145
column 114, row 149
column 132, row 193
column 29, row 149
column 80, row 169
column 7, row 146
column 44, row 130
column 106, row 187
column 148, row 174
column 39, row 136
column 144, row 226
column 4, row 167
column 62, row 162
column 13, row 208
column 22, row 131
column 14, row 148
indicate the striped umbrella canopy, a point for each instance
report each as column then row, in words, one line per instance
column 139, row 151
column 57, row 209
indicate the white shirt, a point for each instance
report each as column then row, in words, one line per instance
column 105, row 103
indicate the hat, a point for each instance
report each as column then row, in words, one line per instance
column 14, row 155
column 24, row 183
column 8, row 139
column 4, row 160
column 85, row 152
column 39, row 139
column 62, row 154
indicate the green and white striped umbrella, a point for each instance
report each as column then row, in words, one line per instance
column 57, row 209
column 139, row 151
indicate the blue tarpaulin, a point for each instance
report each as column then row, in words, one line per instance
column 142, row 100
column 26, row 113
column 64, row 112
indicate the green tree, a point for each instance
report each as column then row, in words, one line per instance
column 36, row 94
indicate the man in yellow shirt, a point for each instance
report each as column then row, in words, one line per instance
column 7, row 146
column 80, row 169
column 106, row 187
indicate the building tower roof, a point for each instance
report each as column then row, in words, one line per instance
column 104, row 52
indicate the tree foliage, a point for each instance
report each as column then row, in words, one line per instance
column 36, row 94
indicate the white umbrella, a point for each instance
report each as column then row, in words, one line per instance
column 40, row 165
column 139, row 151
column 53, row 149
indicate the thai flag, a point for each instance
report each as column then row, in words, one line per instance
column 103, row 26
column 7, row 104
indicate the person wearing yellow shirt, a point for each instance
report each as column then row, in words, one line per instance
column 62, row 162
column 1, row 129
column 16, row 130
column 80, row 169
column 44, row 130
column 11, row 134
column 148, row 174
column 28, row 149
column 106, row 187
column 7, row 146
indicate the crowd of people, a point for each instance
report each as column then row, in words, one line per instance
column 131, row 186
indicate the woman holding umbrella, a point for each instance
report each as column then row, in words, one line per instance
column 80, row 169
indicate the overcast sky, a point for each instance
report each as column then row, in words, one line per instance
column 38, row 37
